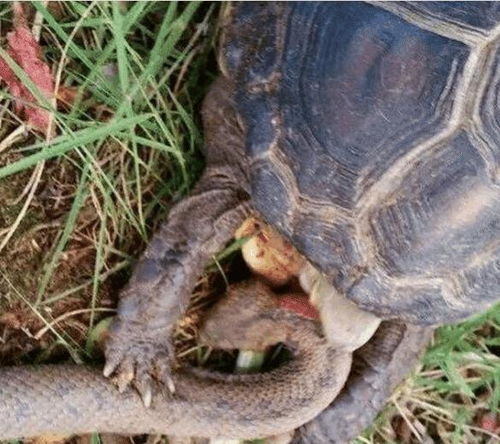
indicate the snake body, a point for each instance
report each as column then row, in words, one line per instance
column 64, row 399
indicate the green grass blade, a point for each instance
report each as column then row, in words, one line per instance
column 63, row 144
column 79, row 199
column 73, row 49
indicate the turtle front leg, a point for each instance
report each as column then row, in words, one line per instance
column 139, row 348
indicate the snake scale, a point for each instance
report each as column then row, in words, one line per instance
column 65, row 399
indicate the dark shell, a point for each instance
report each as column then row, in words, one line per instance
column 374, row 138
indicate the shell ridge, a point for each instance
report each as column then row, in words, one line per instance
column 395, row 174
column 450, row 29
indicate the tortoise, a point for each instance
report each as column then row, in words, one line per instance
column 368, row 135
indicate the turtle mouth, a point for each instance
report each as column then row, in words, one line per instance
column 346, row 326
column 272, row 258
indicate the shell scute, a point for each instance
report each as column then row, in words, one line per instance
column 270, row 192
column 261, row 128
column 442, row 215
column 350, row 91
column 381, row 123
column 335, row 247
column 489, row 117
column 481, row 278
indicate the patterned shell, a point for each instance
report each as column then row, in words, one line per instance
column 374, row 138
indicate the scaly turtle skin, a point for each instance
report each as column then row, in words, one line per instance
column 369, row 136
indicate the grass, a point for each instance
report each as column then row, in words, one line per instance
column 126, row 148
column 75, row 212
column 453, row 392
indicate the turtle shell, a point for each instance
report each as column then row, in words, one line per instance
column 373, row 133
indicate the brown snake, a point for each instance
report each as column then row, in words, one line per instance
column 64, row 399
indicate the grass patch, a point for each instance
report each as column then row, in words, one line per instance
column 453, row 394
column 130, row 80
column 127, row 146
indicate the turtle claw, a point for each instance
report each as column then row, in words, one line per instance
column 143, row 383
column 112, row 362
column 139, row 361
column 163, row 373
column 146, row 397
column 124, row 376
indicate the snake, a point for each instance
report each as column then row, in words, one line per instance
column 72, row 399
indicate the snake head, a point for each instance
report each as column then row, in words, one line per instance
column 243, row 319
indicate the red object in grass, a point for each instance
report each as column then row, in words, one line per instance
column 26, row 52
column 490, row 422
column 299, row 304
